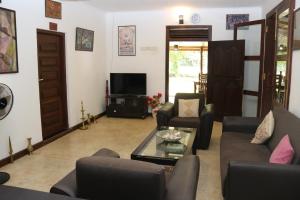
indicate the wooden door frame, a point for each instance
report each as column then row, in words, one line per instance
column 63, row 71
column 255, row 58
column 286, row 4
column 169, row 39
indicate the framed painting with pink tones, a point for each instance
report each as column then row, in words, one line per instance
column 8, row 42
column 127, row 40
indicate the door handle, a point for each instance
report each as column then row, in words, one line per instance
column 41, row 79
column 264, row 76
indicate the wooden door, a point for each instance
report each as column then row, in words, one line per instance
column 269, row 66
column 253, row 32
column 226, row 77
column 52, row 82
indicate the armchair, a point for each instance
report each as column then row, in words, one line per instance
column 112, row 178
column 168, row 116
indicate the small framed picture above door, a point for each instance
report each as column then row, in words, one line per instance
column 8, row 43
column 127, row 40
column 233, row 19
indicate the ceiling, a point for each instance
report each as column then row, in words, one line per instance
column 130, row 5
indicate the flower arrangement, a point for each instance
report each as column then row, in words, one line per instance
column 154, row 101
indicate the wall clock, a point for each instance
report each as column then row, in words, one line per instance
column 195, row 18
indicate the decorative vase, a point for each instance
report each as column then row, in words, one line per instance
column 29, row 147
column 154, row 112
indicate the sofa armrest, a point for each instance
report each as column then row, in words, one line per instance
column 66, row 186
column 184, row 181
column 165, row 113
column 206, row 126
column 241, row 124
column 262, row 181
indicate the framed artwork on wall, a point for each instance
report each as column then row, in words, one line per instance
column 8, row 42
column 296, row 44
column 53, row 9
column 84, row 40
column 127, row 40
column 232, row 19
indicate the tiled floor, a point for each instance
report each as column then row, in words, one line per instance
column 50, row 163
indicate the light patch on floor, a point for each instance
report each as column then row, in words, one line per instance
column 52, row 162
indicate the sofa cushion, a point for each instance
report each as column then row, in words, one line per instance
column 265, row 130
column 110, row 178
column 283, row 153
column 286, row 123
column 199, row 96
column 187, row 122
column 188, row 108
column 237, row 147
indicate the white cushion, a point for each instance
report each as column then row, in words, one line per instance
column 265, row 129
column 188, row 107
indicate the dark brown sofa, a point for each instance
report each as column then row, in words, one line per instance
column 168, row 116
column 245, row 169
column 111, row 178
column 14, row 193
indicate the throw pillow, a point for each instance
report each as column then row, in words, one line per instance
column 265, row 129
column 188, row 107
column 283, row 153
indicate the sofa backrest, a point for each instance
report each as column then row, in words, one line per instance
column 115, row 179
column 199, row 96
column 286, row 123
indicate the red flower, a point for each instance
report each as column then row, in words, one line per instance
column 154, row 101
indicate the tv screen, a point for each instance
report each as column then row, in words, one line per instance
column 129, row 84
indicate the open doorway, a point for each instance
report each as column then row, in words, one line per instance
column 277, row 67
column 186, row 58
column 187, row 61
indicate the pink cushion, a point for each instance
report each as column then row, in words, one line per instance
column 283, row 153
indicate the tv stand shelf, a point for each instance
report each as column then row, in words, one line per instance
column 130, row 106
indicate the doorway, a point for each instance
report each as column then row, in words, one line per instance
column 52, row 82
column 186, row 58
column 277, row 68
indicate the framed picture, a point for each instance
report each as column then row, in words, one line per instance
column 53, row 9
column 296, row 44
column 8, row 42
column 127, row 40
column 233, row 19
column 84, row 40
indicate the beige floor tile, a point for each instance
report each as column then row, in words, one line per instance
column 49, row 164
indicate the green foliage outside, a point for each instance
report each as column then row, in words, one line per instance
column 183, row 58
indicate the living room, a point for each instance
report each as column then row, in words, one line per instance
column 87, row 87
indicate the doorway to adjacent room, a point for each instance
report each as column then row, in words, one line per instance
column 52, row 82
column 186, row 59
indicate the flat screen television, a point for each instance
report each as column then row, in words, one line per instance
column 128, row 84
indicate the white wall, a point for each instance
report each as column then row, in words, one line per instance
column 151, row 32
column 269, row 5
column 295, row 81
column 85, row 70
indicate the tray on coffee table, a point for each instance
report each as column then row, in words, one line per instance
column 161, row 150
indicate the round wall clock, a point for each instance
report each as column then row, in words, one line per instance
column 195, row 18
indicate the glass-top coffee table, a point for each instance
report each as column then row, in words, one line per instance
column 156, row 150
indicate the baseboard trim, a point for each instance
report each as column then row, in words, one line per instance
column 38, row 145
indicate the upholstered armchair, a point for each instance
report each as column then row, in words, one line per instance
column 168, row 116
column 106, row 176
